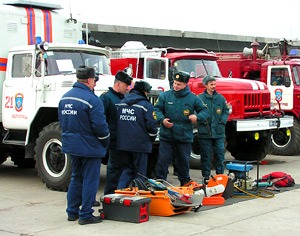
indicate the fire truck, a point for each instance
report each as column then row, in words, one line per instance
column 251, row 121
column 39, row 56
column 277, row 65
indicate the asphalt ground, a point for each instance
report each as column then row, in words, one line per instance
column 27, row 207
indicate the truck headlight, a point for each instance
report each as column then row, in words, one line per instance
column 229, row 106
column 272, row 106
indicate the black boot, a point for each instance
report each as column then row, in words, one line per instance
column 92, row 220
column 205, row 180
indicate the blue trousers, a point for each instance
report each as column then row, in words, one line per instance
column 212, row 147
column 83, row 186
column 114, row 169
column 166, row 152
column 136, row 163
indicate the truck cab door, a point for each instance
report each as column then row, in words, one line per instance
column 280, row 86
column 19, row 92
column 296, row 84
column 156, row 73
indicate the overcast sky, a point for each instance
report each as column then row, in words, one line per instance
column 265, row 18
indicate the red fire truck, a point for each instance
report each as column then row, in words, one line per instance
column 251, row 121
column 277, row 65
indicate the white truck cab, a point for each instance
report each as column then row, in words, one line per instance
column 39, row 54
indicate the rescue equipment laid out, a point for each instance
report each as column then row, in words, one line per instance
column 218, row 189
column 275, row 180
column 168, row 200
column 238, row 171
column 244, row 185
column 278, row 179
column 160, row 198
column 165, row 201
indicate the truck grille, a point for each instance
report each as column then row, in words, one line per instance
column 257, row 102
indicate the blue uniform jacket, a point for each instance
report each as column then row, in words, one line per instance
column 214, row 127
column 84, row 128
column 137, row 127
column 178, row 105
column 110, row 99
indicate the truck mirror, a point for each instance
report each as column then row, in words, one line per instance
column 287, row 82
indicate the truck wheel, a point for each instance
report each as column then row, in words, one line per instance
column 54, row 167
column 245, row 148
column 284, row 145
column 195, row 158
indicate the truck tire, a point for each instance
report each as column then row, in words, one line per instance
column 284, row 145
column 244, row 147
column 195, row 158
column 53, row 166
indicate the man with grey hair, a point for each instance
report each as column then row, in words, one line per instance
column 211, row 132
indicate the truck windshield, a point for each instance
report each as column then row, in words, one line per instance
column 61, row 62
column 198, row 67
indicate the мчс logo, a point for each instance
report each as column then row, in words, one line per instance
column 19, row 101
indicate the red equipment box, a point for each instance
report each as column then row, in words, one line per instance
column 125, row 208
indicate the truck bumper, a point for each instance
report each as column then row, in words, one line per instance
column 264, row 123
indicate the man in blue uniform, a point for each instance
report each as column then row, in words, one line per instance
column 85, row 137
column 114, row 95
column 176, row 110
column 212, row 131
column 136, row 132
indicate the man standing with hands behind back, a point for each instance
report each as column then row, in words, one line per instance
column 85, row 137
column 212, row 131
column 176, row 110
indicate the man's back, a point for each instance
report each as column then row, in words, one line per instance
column 82, row 120
column 136, row 126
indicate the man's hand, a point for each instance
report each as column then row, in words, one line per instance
column 193, row 118
column 167, row 123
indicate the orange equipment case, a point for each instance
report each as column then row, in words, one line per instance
column 161, row 204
